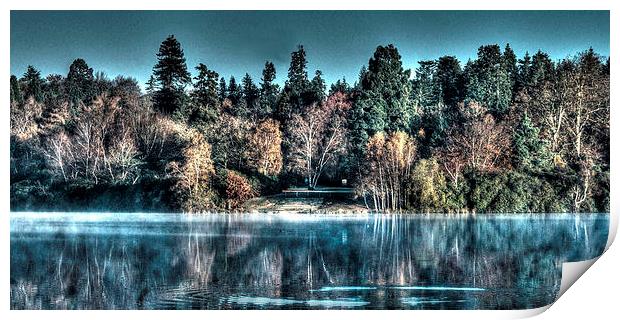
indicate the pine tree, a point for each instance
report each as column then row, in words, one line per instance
column 234, row 91
column 509, row 60
column 251, row 96
column 297, row 74
column 340, row 86
column 16, row 93
column 171, row 75
column 317, row 88
column 80, row 82
column 33, row 84
column 268, row 90
column 542, row 69
column 223, row 90
column 524, row 71
column 205, row 99
column 530, row 152
column 54, row 89
column 424, row 93
column 387, row 79
column 151, row 86
column 488, row 82
column 296, row 94
column 449, row 80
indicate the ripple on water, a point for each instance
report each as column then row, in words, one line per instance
column 325, row 303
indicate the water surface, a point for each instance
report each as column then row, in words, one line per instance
column 167, row 261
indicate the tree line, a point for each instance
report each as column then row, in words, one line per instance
column 495, row 134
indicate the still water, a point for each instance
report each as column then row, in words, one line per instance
column 167, row 261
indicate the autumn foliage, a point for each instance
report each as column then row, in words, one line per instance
column 264, row 152
column 238, row 189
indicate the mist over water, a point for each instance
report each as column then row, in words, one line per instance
column 169, row 261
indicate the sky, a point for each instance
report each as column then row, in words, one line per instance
column 338, row 43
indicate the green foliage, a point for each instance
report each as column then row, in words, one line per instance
column 205, row 100
column 317, row 88
column 171, row 75
column 427, row 186
column 449, row 80
column 251, row 97
column 54, row 89
column 530, row 152
column 195, row 153
column 488, row 81
column 366, row 117
column 389, row 83
column 151, row 86
column 340, row 86
column 80, row 82
column 509, row 62
column 235, row 95
column 541, row 69
column 268, row 91
column 16, row 92
column 512, row 192
column 424, row 93
column 223, row 89
column 297, row 74
column 33, row 84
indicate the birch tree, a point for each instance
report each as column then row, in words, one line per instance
column 318, row 137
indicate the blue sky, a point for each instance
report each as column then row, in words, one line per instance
column 337, row 42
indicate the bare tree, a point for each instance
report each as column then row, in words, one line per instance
column 317, row 137
column 479, row 143
column 386, row 169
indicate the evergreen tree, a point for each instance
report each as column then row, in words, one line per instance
column 424, row 93
column 171, row 75
column 295, row 95
column 542, row 69
column 428, row 98
column 366, row 117
column 509, row 60
column 488, row 82
column 387, row 79
column 54, row 89
column 530, row 152
column 268, row 90
column 80, row 82
column 16, row 93
column 606, row 68
column 223, row 90
column 340, row 86
column 524, row 71
column 234, row 91
column 317, row 88
column 151, row 85
column 205, row 98
column 251, row 96
column 33, row 84
column 297, row 73
column 449, row 80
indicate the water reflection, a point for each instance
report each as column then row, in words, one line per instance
column 139, row 261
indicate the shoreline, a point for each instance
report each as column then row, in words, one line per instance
column 282, row 205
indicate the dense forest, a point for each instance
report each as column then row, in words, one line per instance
column 495, row 134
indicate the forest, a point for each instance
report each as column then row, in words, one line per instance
column 497, row 133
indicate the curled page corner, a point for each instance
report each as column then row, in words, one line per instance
column 527, row 313
column 571, row 271
column 613, row 228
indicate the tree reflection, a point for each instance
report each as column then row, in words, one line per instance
column 386, row 261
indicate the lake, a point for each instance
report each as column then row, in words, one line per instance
column 289, row 261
